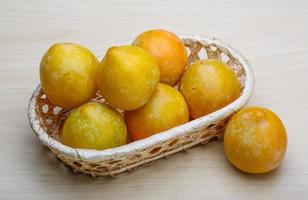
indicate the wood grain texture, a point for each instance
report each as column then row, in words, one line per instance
column 272, row 34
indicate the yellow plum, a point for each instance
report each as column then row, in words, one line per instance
column 68, row 74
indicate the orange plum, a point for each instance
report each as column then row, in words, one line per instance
column 169, row 51
column 255, row 140
column 165, row 109
column 207, row 86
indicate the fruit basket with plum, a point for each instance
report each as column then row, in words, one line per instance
column 139, row 103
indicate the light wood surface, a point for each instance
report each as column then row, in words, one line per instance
column 272, row 34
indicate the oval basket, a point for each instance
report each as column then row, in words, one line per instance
column 46, row 121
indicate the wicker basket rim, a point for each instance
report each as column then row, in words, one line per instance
column 194, row 125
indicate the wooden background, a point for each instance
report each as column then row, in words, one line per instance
column 272, row 34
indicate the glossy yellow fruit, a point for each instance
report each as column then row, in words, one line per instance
column 165, row 109
column 255, row 140
column 207, row 86
column 94, row 126
column 67, row 73
column 169, row 51
column 127, row 77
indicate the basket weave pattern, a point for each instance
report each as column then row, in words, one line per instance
column 50, row 120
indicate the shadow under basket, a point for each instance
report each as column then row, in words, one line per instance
column 46, row 120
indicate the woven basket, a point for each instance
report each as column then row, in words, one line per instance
column 46, row 121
